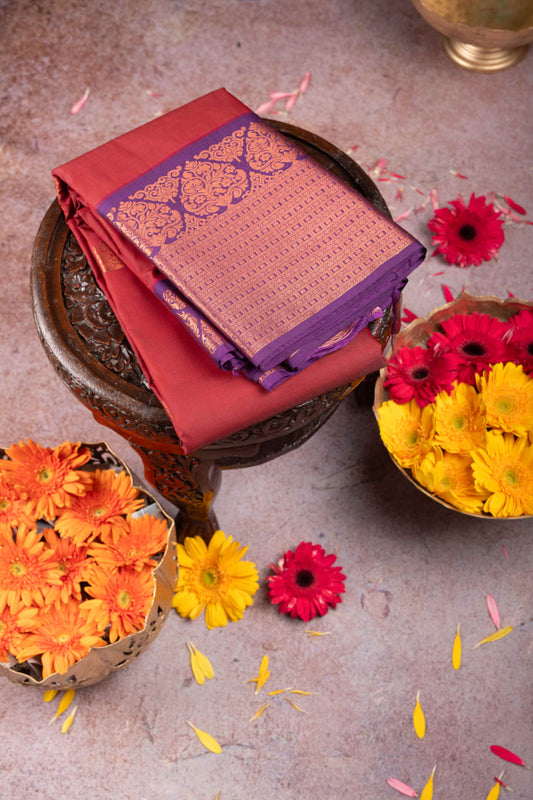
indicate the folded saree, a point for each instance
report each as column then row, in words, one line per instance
column 265, row 257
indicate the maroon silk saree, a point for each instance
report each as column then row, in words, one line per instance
column 217, row 240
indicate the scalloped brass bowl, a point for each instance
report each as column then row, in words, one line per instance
column 101, row 661
column 417, row 333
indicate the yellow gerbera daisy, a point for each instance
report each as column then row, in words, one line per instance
column 407, row 430
column 51, row 478
column 213, row 577
column 450, row 477
column 507, row 392
column 102, row 510
column 505, row 469
column 61, row 637
column 460, row 423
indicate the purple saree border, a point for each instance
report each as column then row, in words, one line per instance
column 396, row 269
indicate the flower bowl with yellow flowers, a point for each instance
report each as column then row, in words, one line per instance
column 87, row 564
column 454, row 405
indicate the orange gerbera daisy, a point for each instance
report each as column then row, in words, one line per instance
column 13, row 505
column 62, row 636
column 122, row 599
column 28, row 571
column 14, row 622
column 51, row 478
column 71, row 562
column 147, row 535
column 101, row 511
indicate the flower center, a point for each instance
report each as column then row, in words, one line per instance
column 504, row 405
column 474, row 349
column 412, row 438
column 44, row 475
column 511, row 477
column 467, row 232
column 4, row 503
column 458, row 423
column 209, row 578
column 63, row 638
column 529, row 348
column 420, row 373
column 304, row 578
column 123, row 598
column 99, row 511
column 17, row 569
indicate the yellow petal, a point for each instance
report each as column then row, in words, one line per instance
column 264, row 674
column 494, row 792
column 206, row 739
column 496, row 635
column 419, row 720
column 49, row 695
column 427, row 791
column 456, row 650
column 278, row 691
column 259, row 711
column 293, row 704
column 301, row 691
column 200, row 665
column 69, row 720
column 318, row 633
column 65, row 701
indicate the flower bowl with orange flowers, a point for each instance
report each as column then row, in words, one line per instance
column 87, row 564
column 454, row 405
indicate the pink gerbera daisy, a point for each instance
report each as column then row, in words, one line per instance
column 467, row 235
column 520, row 339
column 305, row 583
column 477, row 340
column 419, row 374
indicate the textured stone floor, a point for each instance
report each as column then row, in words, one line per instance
column 382, row 88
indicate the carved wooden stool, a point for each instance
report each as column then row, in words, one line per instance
column 89, row 351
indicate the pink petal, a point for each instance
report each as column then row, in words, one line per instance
column 403, row 788
column 506, row 554
column 304, row 83
column 436, row 274
column 78, row 105
column 408, row 316
column 434, row 197
column 448, row 296
column 264, row 107
column 380, row 164
column 291, row 101
column 280, row 95
column 403, row 216
column 493, row 610
column 514, row 205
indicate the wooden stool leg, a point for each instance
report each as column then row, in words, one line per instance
column 187, row 482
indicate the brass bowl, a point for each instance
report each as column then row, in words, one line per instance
column 101, row 661
column 483, row 36
column 417, row 333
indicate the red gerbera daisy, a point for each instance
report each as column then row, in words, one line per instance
column 520, row 339
column 305, row 583
column 475, row 339
column 420, row 374
column 469, row 234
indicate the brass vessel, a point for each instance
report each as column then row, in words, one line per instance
column 481, row 35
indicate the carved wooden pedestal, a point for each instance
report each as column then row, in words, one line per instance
column 89, row 351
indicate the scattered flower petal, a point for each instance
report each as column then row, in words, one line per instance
column 408, row 316
column 505, row 553
column 507, row 755
column 259, row 711
column 499, row 634
column 304, row 83
column 434, row 197
column 514, row 205
column 64, row 703
column 301, row 691
column 427, row 791
column 293, row 704
column 200, row 665
column 403, row 788
column 493, row 610
column 78, row 105
column 278, row 691
column 264, row 107
column 419, row 719
column 206, row 739
column 494, row 792
column 49, row 695
column 69, row 720
column 318, row 633
column 456, row 650
column 447, row 292
column 404, row 215
column 263, row 675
